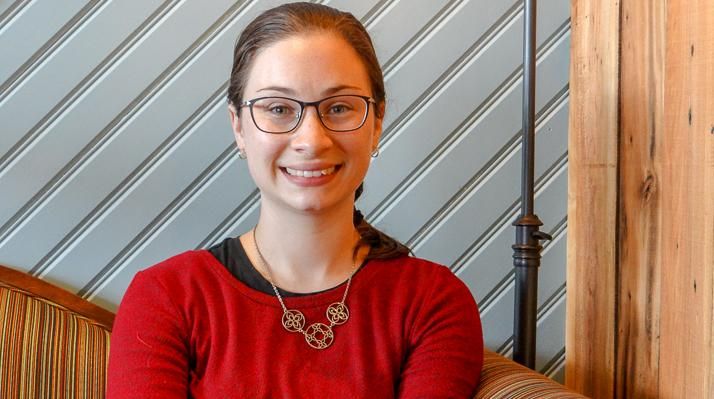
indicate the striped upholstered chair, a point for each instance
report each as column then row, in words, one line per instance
column 504, row 378
column 53, row 344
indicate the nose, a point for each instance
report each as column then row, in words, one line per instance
column 311, row 136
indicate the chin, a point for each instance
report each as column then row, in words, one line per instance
column 310, row 206
column 314, row 205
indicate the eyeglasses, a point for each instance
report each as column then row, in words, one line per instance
column 278, row 115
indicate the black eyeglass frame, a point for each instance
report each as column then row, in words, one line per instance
column 303, row 105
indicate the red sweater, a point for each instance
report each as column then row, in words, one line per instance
column 188, row 328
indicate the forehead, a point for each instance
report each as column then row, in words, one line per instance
column 308, row 66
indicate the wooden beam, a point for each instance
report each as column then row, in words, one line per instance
column 592, row 197
column 641, row 280
column 687, row 169
column 642, row 39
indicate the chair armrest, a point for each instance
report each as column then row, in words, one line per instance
column 504, row 378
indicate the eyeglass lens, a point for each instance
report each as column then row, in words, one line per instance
column 280, row 115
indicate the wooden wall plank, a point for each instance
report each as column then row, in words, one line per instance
column 642, row 37
column 650, row 261
column 592, row 197
column 686, row 357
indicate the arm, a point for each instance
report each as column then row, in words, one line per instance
column 149, row 350
column 445, row 344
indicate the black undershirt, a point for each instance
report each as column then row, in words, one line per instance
column 231, row 254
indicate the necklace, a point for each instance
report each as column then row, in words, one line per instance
column 317, row 335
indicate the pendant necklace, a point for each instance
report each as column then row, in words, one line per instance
column 317, row 335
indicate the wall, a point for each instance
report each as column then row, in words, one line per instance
column 116, row 151
column 641, row 253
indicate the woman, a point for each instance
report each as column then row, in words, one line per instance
column 354, row 316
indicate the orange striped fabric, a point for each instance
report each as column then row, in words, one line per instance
column 48, row 351
column 504, row 378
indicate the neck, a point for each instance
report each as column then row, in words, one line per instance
column 305, row 252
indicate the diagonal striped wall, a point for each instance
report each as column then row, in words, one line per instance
column 116, row 151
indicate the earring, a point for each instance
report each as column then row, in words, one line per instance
column 375, row 153
column 241, row 154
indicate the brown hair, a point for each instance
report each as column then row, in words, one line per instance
column 293, row 19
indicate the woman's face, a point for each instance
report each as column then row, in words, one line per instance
column 310, row 169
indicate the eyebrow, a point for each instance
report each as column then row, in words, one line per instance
column 289, row 91
column 278, row 88
column 336, row 89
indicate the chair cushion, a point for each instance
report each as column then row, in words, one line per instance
column 504, row 378
column 48, row 351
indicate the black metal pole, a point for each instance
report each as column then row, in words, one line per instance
column 526, row 250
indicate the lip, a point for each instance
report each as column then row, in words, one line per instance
column 311, row 181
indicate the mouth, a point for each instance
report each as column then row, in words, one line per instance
column 310, row 173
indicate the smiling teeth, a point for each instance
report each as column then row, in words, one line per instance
column 310, row 173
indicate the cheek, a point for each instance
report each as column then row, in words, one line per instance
column 263, row 157
column 257, row 154
column 262, row 154
column 361, row 156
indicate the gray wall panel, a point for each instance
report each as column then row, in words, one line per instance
column 469, row 217
column 551, row 332
column 116, row 151
column 483, row 133
column 409, row 78
column 30, row 33
column 79, row 63
column 121, row 91
column 182, row 227
column 556, row 368
column 40, row 166
column 358, row 8
column 8, row 8
column 550, row 284
column 441, row 111
column 498, row 324
column 486, row 264
column 125, row 217
column 117, row 159
column 414, row 16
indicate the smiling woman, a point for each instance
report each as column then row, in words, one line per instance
column 313, row 300
column 316, row 66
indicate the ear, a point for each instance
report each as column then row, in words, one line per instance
column 236, row 125
column 378, row 119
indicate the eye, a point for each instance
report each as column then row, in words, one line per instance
column 339, row 108
column 278, row 109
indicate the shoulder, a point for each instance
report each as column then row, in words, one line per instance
column 419, row 270
column 189, row 261
column 411, row 264
column 183, row 285
column 179, row 271
column 416, row 278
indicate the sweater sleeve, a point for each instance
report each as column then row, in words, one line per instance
column 445, row 356
column 149, row 350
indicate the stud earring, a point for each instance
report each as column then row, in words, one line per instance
column 375, row 153
column 241, row 154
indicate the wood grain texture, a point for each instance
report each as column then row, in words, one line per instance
column 42, row 289
column 663, row 245
column 592, row 197
column 642, row 35
column 687, row 175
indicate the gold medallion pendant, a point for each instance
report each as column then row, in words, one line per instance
column 317, row 335
column 293, row 320
column 337, row 313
